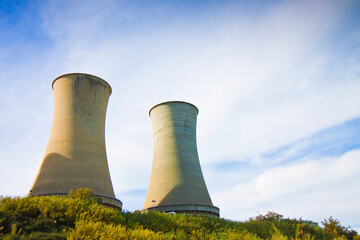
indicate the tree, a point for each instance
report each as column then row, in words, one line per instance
column 334, row 227
column 269, row 216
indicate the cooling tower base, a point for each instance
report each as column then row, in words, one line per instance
column 187, row 209
column 107, row 201
column 111, row 202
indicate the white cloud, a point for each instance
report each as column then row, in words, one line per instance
column 312, row 189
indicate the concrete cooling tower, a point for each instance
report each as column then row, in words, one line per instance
column 176, row 182
column 75, row 156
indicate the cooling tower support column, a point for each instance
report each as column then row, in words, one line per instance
column 75, row 156
column 176, row 182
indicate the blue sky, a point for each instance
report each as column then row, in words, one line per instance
column 277, row 85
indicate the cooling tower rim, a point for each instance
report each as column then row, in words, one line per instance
column 86, row 74
column 173, row 102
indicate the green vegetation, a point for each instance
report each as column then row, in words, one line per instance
column 80, row 216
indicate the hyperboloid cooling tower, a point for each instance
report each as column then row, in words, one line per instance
column 176, row 182
column 75, row 156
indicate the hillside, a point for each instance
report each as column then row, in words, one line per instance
column 80, row 216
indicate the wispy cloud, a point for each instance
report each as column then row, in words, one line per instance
column 330, row 142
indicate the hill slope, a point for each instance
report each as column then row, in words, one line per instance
column 80, row 216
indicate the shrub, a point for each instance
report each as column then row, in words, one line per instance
column 80, row 216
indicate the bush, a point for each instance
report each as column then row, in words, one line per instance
column 81, row 216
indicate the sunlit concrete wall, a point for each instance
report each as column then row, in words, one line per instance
column 176, row 182
column 75, row 156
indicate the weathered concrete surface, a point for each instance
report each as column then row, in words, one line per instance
column 75, row 156
column 176, row 178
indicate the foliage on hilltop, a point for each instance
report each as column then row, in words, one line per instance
column 80, row 216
